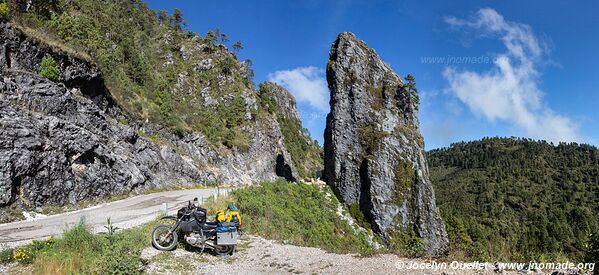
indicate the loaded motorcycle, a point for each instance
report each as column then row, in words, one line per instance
column 191, row 223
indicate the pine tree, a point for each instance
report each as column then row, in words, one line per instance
column 410, row 87
column 237, row 46
column 210, row 37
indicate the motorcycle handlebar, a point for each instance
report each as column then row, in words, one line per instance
column 190, row 208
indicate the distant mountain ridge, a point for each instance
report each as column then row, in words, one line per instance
column 510, row 198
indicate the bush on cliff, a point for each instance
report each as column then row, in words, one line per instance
column 49, row 69
column 4, row 10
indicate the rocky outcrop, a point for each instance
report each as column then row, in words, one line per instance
column 61, row 142
column 283, row 100
column 306, row 154
column 374, row 152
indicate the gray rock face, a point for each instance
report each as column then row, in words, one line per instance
column 374, row 153
column 308, row 155
column 285, row 102
column 61, row 142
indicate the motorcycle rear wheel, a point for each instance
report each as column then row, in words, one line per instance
column 162, row 240
column 223, row 250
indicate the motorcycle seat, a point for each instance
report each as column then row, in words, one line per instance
column 209, row 225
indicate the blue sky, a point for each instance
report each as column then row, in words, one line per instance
column 483, row 68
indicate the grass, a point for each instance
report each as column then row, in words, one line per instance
column 11, row 214
column 50, row 40
column 300, row 214
column 78, row 251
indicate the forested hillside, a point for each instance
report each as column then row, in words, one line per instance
column 518, row 199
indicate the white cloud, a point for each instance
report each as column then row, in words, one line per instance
column 307, row 84
column 509, row 90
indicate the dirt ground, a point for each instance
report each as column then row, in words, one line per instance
column 256, row 255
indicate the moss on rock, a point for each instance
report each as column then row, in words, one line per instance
column 404, row 178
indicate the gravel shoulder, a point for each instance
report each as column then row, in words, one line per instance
column 257, row 255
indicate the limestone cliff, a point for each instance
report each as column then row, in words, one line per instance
column 305, row 152
column 374, row 152
column 69, row 140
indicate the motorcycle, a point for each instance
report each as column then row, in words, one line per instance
column 197, row 232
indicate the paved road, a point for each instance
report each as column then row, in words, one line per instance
column 124, row 214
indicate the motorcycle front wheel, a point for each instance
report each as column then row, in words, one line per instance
column 162, row 239
column 222, row 250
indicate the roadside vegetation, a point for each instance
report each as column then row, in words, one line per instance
column 78, row 251
column 299, row 214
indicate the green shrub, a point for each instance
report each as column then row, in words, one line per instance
column 356, row 213
column 592, row 249
column 370, row 139
column 132, row 54
column 304, row 154
column 299, row 213
column 27, row 253
column 267, row 101
column 404, row 177
column 78, row 251
column 407, row 243
column 49, row 69
column 6, row 255
column 4, row 10
column 140, row 56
